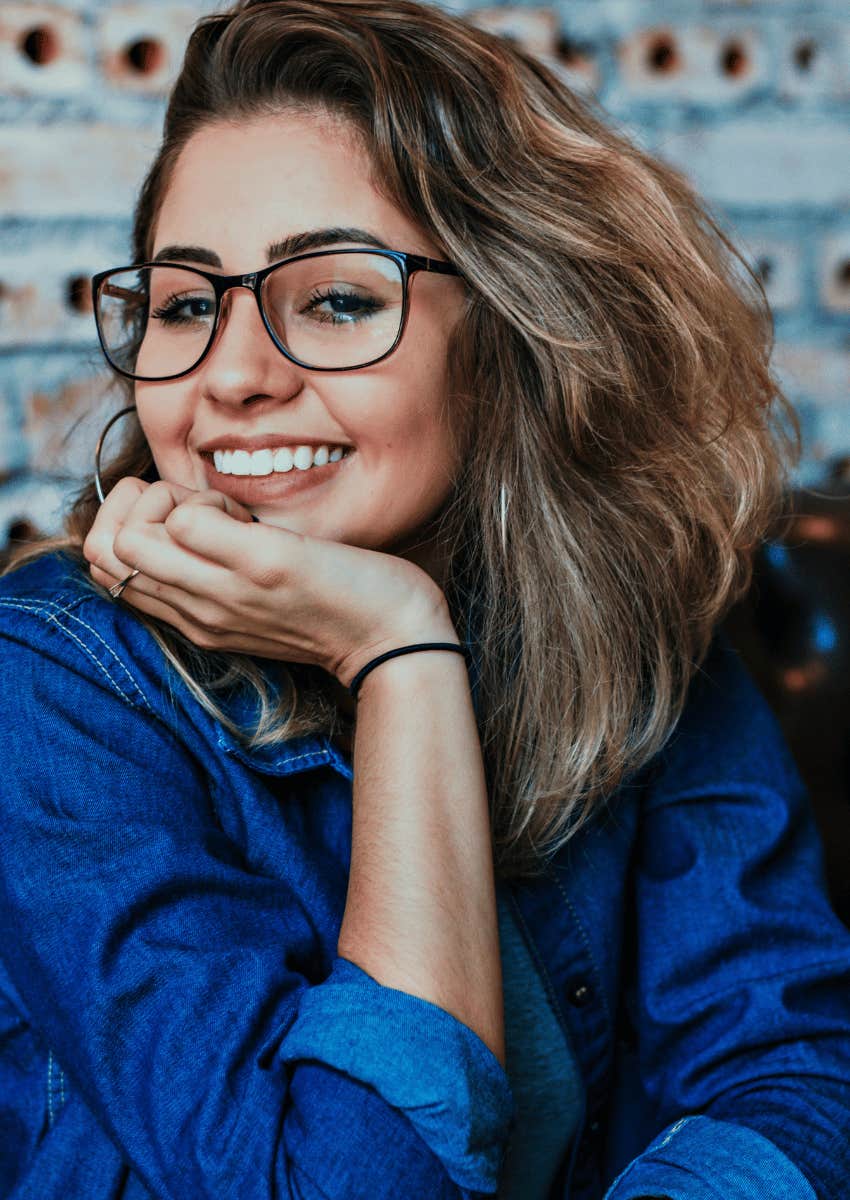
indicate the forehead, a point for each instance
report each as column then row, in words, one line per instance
column 236, row 187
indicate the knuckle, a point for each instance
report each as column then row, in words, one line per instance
column 130, row 484
column 265, row 569
column 92, row 548
column 204, row 639
column 210, row 618
column 97, row 550
column 180, row 519
column 125, row 543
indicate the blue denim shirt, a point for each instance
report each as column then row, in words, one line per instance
column 175, row 1020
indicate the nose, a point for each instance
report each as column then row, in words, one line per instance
column 243, row 364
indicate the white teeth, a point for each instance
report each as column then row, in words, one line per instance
column 261, row 462
column 268, row 461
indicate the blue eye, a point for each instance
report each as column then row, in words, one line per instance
column 171, row 312
column 345, row 307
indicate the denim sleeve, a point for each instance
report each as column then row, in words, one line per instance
column 741, row 1002
column 699, row 1158
column 164, row 976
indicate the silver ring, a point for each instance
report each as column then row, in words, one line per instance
column 118, row 588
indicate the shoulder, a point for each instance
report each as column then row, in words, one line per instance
column 51, row 610
column 727, row 735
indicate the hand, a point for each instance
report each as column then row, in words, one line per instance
column 227, row 583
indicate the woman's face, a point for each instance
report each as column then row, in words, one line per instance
column 236, row 190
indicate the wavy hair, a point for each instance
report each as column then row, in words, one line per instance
column 626, row 444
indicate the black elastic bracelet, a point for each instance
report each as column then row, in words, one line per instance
column 354, row 686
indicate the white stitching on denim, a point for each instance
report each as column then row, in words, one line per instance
column 86, row 649
column 240, row 751
column 55, row 1076
column 106, row 646
column 50, row 1088
column 673, row 1130
column 311, row 754
column 40, row 610
column 75, row 617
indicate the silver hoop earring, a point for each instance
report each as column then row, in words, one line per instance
column 98, row 482
column 504, row 501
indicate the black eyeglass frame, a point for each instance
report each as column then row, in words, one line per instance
column 408, row 264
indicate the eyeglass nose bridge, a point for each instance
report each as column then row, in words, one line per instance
column 227, row 285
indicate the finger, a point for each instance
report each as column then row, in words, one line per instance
column 212, row 533
column 158, row 500
column 130, row 499
column 226, row 503
column 144, row 540
column 111, row 515
column 205, row 637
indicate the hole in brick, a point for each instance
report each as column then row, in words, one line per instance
column 804, row 54
column 764, row 269
column 40, row 45
column 145, row 56
column 567, row 51
column 733, row 59
column 662, row 57
column 78, row 294
column 21, row 529
column 842, row 274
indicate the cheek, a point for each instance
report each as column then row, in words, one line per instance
column 166, row 425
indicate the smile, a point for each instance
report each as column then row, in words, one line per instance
column 270, row 461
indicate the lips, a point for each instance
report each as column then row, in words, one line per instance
column 263, row 441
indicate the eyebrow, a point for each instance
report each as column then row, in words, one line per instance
column 296, row 243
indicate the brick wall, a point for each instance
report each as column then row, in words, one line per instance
column 750, row 100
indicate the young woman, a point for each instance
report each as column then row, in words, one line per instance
column 384, row 813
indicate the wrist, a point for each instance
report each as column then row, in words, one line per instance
column 427, row 620
column 410, row 667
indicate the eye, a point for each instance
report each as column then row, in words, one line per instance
column 344, row 308
column 185, row 310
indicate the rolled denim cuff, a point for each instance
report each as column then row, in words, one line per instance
column 419, row 1058
column 701, row 1158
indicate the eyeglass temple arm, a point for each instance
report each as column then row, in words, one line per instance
column 111, row 289
column 418, row 262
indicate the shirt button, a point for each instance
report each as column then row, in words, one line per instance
column 579, row 995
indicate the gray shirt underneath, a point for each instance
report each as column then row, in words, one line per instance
column 542, row 1070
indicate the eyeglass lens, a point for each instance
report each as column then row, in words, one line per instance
column 334, row 310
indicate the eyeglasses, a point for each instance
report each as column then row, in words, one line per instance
column 331, row 310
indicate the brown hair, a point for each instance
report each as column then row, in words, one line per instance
column 626, row 443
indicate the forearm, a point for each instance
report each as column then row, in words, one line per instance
column 420, row 913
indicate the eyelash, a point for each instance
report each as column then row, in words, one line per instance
column 371, row 306
column 166, row 310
